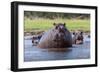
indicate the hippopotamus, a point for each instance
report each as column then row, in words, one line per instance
column 36, row 38
column 57, row 37
column 78, row 37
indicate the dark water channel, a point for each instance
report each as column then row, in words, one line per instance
column 32, row 53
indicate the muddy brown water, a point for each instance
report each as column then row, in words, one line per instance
column 32, row 53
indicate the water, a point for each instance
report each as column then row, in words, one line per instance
column 32, row 53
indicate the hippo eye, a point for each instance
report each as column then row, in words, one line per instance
column 81, row 32
column 73, row 33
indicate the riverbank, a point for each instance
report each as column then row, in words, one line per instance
column 41, row 24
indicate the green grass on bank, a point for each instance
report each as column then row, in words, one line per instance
column 45, row 24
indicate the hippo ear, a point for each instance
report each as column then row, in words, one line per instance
column 64, row 24
column 54, row 24
column 81, row 33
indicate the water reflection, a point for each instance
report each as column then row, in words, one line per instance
column 32, row 53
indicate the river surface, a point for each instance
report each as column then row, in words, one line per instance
column 32, row 53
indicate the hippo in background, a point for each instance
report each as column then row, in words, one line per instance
column 78, row 37
column 57, row 37
column 36, row 39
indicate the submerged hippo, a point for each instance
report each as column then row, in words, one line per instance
column 36, row 39
column 78, row 37
column 57, row 37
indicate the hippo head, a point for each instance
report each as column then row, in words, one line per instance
column 78, row 36
column 60, row 30
column 60, row 27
